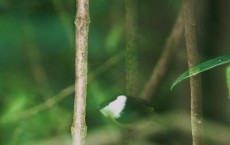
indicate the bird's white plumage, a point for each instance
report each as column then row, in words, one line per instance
column 114, row 108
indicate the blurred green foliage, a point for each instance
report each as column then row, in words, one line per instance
column 37, row 62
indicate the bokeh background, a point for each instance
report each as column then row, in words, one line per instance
column 37, row 64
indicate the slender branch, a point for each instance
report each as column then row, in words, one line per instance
column 131, row 58
column 40, row 107
column 82, row 20
column 105, row 66
column 131, row 48
column 195, row 81
column 162, row 65
column 63, row 93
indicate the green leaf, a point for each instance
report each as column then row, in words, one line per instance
column 201, row 68
column 228, row 79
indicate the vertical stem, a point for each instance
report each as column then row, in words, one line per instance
column 79, row 128
column 195, row 81
column 131, row 56
column 131, row 48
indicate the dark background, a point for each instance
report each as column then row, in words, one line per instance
column 37, row 61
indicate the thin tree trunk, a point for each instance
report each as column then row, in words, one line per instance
column 79, row 128
column 195, row 81
column 131, row 48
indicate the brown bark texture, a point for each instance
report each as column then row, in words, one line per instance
column 195, row 81
column 82, row 20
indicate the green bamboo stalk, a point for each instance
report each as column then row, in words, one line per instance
column 131, row 57
column 131, row 48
